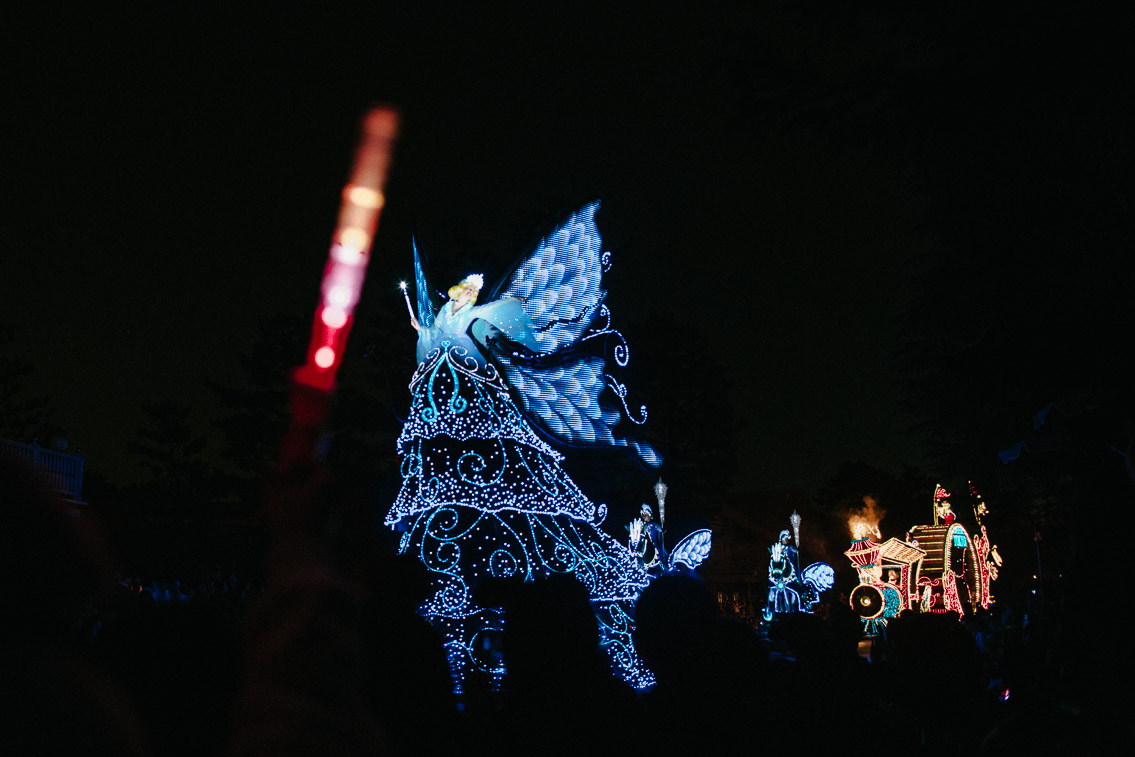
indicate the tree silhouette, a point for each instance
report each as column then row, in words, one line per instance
column 22, row 413
column 174, row 452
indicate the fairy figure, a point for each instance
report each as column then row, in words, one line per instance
column 483, row 494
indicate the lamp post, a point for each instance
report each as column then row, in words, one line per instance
column 660, row 492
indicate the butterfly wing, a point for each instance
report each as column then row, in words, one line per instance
column 820, row 575
column 563, row 385
column 692, row 550
column 426, row 308
column 560, row 281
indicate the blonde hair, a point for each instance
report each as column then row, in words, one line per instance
column 456, row 290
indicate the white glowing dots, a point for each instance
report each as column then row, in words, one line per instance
column 334, row 318
column 483, row 496
column 364, row 197
column 324, row 357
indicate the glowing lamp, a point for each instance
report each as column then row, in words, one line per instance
column 660, row 490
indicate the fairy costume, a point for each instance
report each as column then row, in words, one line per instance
column 483, row 495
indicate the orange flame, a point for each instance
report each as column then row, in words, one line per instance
column 864, row 521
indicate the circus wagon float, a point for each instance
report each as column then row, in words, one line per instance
column 939, row 567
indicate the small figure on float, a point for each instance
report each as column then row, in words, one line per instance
column 783, row 567
column 646, row 540
column 790, row 589
column 942, row 511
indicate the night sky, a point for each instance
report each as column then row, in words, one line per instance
column 775, row 177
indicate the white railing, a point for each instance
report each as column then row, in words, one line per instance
column 63, row 472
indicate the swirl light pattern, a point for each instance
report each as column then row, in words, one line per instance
column 484, row 497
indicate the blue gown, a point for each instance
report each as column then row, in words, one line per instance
column 484, row 496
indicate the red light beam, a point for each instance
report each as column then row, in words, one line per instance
column 314, row 381
column 347, row 260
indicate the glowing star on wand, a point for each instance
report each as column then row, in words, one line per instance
column 406, row 296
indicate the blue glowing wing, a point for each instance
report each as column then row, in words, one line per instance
column 560, row 383
column 820, row 575
column 426, row 306
column 692, row 550
column 559, row 281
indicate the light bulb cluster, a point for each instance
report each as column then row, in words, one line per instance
column 466, row 442
column 483, row 497
column 937, row 569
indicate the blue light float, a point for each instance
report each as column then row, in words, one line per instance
column 790, row 589
column 483, row 494
column 646, row 540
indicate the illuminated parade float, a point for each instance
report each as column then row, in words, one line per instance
column 483, row 493
column 791, row 589
column 645, row 540
column 937, row 568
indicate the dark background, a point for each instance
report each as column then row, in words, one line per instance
column 855, row 249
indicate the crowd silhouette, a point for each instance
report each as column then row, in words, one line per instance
column 330, row 657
